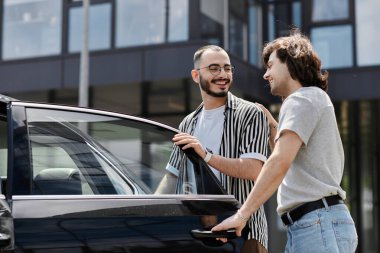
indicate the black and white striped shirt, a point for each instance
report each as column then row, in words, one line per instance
column 246, row 130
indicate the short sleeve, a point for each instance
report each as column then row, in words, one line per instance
column 299, row 115
column 175, row 157
column 174, row 161
column 254, row 141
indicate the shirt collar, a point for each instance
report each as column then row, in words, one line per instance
column 232, row 102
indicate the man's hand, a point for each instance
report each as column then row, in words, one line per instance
column 272, row 122
column 189, row 141
column 233, row 221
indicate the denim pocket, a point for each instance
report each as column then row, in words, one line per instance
column 345, row 234
column 344, row 229
column 306, row 234
column 308, row 220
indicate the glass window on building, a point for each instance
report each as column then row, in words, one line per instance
column 297, row 16
column 255, row 34
column 124, row 98
column 367, row 35
column 140, row 22
column 238, row 37
column 31, row 28
column 328, row 10
column 283, row 19
column 280, row 19
column 178, row 20
column 271, row 22
column 99, row 27
column 166, row 97
column 238, row 7
column 213, row 21
column 333, row 45
column 238, row 29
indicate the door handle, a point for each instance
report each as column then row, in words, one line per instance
column 207, row 234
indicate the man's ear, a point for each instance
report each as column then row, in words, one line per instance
column 195, row 75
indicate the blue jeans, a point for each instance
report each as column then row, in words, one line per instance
column 329, row 230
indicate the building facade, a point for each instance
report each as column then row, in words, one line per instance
column 141, row 57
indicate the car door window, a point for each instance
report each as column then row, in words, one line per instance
column 87, row 153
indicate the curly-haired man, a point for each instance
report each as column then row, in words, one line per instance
column 306, row 165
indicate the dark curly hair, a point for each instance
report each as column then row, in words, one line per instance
column 302, row 61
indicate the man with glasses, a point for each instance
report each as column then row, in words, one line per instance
column 229, row 133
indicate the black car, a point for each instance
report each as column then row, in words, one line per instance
column 84, row 180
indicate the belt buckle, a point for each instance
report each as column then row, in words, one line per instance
column 289, row 218
column 286, row 219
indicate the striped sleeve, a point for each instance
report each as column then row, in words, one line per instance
column 175, row 156
column 255, row 135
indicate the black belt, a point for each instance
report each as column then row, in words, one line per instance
column 297, row 213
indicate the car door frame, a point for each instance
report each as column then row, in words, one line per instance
column 23, row 205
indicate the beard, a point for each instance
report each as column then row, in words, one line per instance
column 205, row 86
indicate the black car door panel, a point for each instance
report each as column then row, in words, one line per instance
column 118, row 224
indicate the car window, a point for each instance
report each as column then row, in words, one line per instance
column 84, row 153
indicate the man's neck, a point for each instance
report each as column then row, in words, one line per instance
column 293, row 87
column 210, row 102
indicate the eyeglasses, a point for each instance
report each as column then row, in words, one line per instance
column 216, row 69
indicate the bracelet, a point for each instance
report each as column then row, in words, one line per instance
column 241, row 216
column 207, row 157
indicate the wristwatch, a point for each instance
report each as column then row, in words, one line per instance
column 208, row 155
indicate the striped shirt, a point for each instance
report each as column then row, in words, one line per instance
column 246, row 131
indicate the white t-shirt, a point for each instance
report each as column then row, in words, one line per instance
column 209, row 130
column 317, row 169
